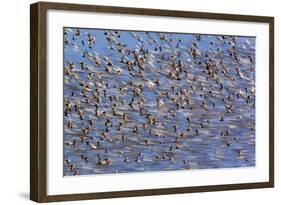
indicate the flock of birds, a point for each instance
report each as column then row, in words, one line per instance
column 151, row 101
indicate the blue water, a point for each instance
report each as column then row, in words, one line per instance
column 215, row 88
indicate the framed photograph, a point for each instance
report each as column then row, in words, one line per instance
column 134, row 102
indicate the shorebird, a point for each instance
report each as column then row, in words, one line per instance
column 93, row 146
column 73, row 143
column 138, row 158
column 104, row 161
column 83, row 157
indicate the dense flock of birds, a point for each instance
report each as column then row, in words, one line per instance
column 151, row 101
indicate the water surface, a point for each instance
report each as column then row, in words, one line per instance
column 148, row 101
